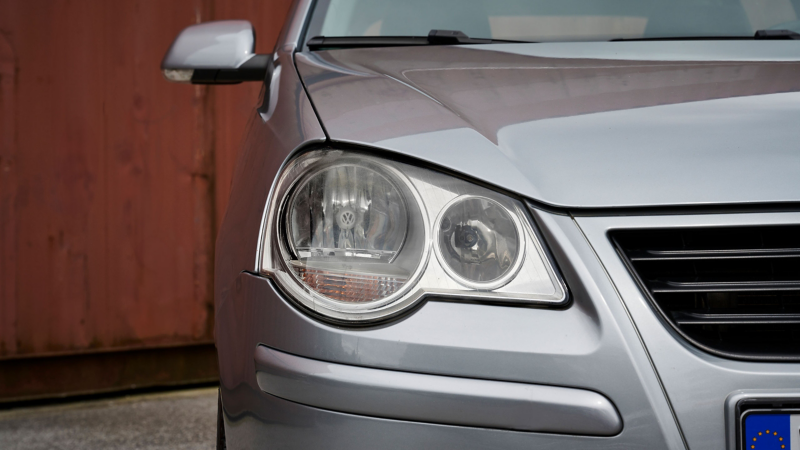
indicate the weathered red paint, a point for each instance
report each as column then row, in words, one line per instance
column 112, row 181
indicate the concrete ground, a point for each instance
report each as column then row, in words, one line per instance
column 184, row 419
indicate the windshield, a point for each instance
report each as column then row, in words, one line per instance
column 554, row 20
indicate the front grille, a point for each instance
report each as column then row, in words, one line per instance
column 734, row 292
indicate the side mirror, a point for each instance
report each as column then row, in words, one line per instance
column 220, row 52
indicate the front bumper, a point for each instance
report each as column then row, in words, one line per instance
column 352, row 388
column 434, row 398
column 590, row 346
column 287, row 425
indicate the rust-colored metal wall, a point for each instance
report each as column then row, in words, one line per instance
column 112, row 184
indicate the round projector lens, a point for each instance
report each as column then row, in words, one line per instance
column 479, row 242
column 346, row 224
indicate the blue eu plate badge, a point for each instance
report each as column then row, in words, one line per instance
column 772, row 432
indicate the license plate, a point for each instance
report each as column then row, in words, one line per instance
column 771, row 431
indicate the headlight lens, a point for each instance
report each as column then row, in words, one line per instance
column 346, row 225
column 478, row 242
column 349, row 236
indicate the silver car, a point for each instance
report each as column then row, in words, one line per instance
column 511, row 224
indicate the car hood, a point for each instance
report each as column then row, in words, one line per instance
column 607, row 124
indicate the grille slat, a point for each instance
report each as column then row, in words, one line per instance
column 689, row 318
column 669, row 255
column 728, row 286
column 731, row 291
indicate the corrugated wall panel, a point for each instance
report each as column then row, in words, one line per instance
column 112, row 181
column 8, row 195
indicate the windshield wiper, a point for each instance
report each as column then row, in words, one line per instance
column 760, row 35
column 435, row 37
column 776, row 34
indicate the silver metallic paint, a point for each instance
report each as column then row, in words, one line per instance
column 451, row 119
column 696, row 382
column 293, row 29
column 591, row 345
column 222, row 44
column 435, row 399
column 288, row 425
column 291, row 126
column 575, row 130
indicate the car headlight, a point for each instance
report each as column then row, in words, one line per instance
column 357, row 238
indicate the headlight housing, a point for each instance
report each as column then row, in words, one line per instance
column 357, row 238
